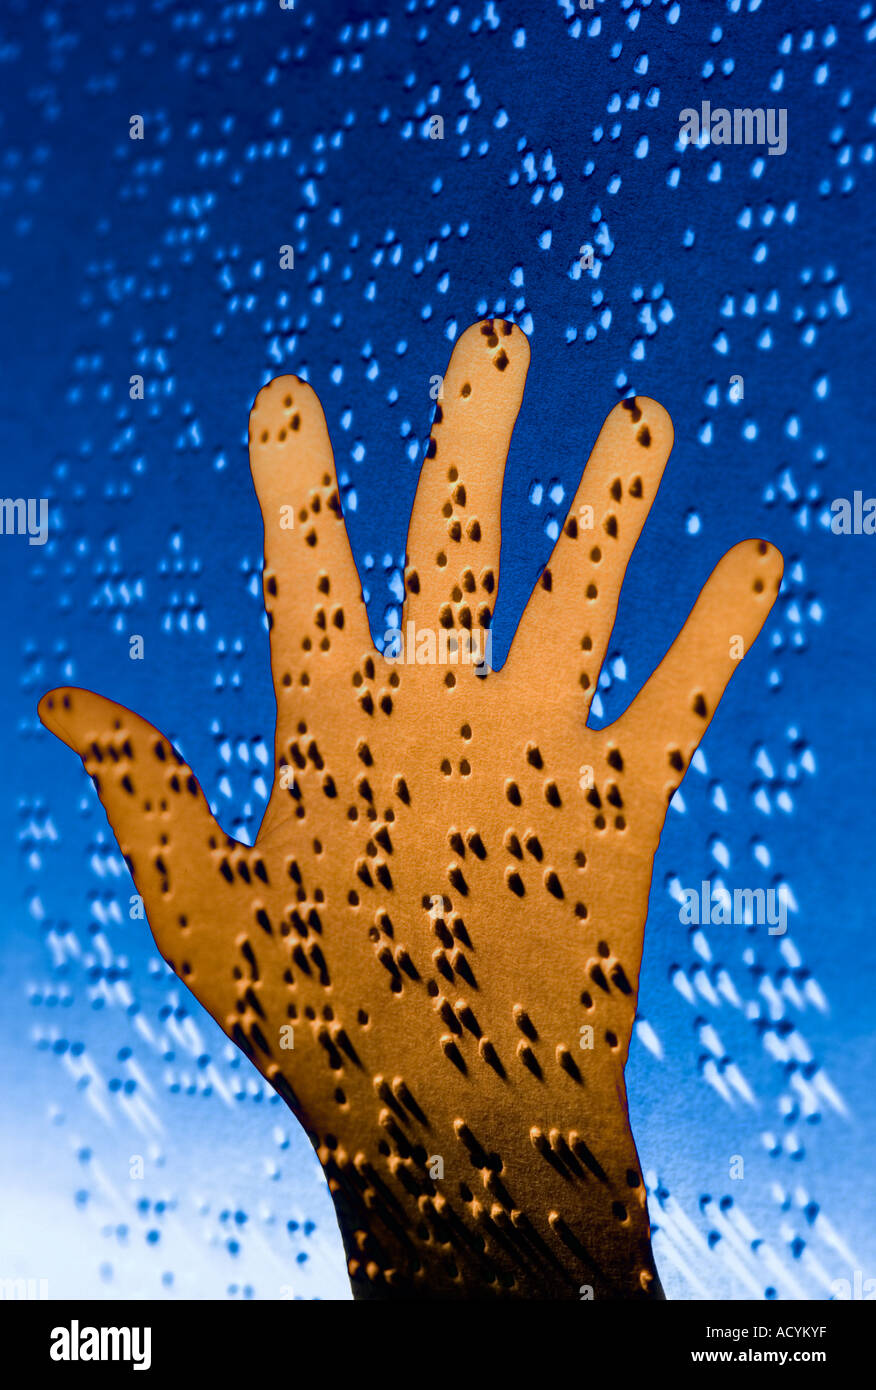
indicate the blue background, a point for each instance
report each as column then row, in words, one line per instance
column 265, row 127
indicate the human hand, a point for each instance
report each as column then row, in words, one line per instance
column 450, row 884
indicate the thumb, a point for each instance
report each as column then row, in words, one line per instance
column 157, row 811
column 674, row 708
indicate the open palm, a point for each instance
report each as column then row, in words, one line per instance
column 432, row 950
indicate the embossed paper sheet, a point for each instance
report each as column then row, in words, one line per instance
column 667, row 205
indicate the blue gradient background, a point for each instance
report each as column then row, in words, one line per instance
column 266, row 127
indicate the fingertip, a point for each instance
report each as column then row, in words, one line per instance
column 763, row 562
column 279, row 387
column 512, row 337
column 289, row 439
column 657, row 419
column 497, row 343
column 648, row 422
column 772, row 558
column 55, row 710
column 282, row 410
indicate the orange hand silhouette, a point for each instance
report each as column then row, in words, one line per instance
column 432, row 950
